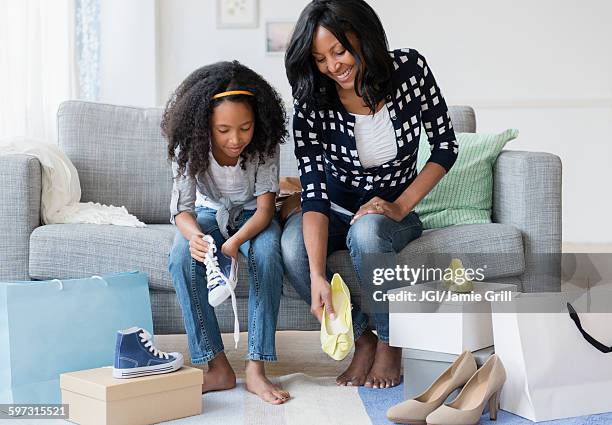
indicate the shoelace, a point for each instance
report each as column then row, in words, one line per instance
column 216, row 278
column 146, row 337
column 213, row 274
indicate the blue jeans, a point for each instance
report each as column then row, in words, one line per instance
column 372, row 234
column 265, row 284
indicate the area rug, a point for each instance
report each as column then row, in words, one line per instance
column 321, row 401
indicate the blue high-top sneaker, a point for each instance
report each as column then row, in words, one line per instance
column 135, row 355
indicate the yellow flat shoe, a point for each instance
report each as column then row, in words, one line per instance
column 337, row 335
column 457, row 282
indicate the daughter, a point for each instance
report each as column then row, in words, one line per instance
column 224, row 124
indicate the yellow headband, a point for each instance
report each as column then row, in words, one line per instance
column 231, row 93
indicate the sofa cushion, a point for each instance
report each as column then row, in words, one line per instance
column 120, row 155
column 465, row 194
column 498, row 248
column 65, row 251
column 293, row 314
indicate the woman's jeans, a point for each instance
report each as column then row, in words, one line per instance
column 265, row 284
column 372, row 236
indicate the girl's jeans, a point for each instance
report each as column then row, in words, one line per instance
column 265, row 284
column 372, row 234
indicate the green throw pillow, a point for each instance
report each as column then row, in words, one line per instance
column 465, row 193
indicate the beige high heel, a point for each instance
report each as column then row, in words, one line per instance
column 466, row 409
column 414, row 411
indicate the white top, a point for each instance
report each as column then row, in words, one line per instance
column 230, row 181
column 375, row 140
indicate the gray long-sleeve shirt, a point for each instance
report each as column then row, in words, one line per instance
column 262, row 178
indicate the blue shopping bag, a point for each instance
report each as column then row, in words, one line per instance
column 51, row 327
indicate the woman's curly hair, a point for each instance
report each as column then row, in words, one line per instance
column 186, row 119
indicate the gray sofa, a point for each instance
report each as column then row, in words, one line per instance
column 121, row 159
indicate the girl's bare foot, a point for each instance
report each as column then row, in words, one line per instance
column 365, row 349
column 220, row 375
column 385, row 372
column 257, row 383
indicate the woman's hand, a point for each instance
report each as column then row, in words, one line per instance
column 231, row 247
column 320, row 292
column 394, row 210
column 198, row 247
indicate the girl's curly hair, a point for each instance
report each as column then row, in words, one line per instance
column 186, row 119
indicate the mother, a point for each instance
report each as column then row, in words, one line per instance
column 357, row 120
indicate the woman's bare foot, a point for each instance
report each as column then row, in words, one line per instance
column 257, row 383
column 220, row 375
column 365, row 349
column 385, row 372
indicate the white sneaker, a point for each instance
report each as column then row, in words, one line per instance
column 221, row 274
column 221, row 277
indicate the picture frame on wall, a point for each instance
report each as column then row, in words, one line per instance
column 278, row 34
column 237, row 13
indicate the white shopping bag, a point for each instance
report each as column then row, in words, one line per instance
column 558, row 365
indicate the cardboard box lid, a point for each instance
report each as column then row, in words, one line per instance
column 100, row 384
column 480, row 355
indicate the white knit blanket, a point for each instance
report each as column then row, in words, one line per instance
column 61, row 188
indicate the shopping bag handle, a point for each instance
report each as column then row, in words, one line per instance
column 100, row 278
column 574, row 316
column 61, row 284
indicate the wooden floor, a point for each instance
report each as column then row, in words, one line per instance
column 297, row 351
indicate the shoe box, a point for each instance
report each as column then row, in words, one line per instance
column 94, row 397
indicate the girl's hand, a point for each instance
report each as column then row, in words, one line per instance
column 198, row 247
column 376, row 205
column 230, row 247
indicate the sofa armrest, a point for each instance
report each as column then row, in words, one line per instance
column 20, row 189
column 527, row 195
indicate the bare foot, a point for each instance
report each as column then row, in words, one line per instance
column 385, row 372
column 220, row 375
column 365, row 349
column 257, row 383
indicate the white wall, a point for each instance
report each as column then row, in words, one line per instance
column 543, row 67
column 188, row 38
column 128, row 63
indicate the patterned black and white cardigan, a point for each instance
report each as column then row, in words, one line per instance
column 327, row 154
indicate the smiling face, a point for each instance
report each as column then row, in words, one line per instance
column 333, row 59
column 232, row 127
